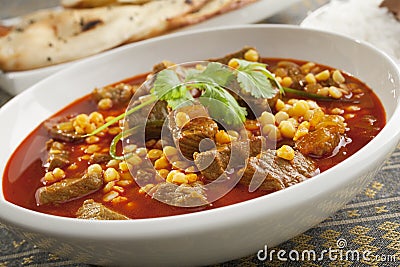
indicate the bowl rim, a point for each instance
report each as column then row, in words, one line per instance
column 195, row 222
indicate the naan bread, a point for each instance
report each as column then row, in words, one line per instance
column 99, row 3
column 51, row 37
column 211, row 9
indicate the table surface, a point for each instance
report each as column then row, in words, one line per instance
column 371, row 221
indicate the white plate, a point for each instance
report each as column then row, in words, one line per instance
column 318, row 20
column 16, row 82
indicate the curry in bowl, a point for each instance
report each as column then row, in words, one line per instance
column 193, row 137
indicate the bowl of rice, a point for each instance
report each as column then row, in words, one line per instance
column 359, row 19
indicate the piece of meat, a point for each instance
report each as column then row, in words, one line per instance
column 69, row 189
column 119, row 94
column 100, row 158
column 91, row 210
column 320, row 142
column 393, row 6
column 271, row 173
column 153, row 119
column 57, row 155
column 182, row 196
column 59, row 135
column 199, row 127
column 213, row 163
column 239, row 54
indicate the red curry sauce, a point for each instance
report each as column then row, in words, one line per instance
column 24, row 170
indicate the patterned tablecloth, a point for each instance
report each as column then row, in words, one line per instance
column 370, row 223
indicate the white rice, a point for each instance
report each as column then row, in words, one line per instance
column 360, row 19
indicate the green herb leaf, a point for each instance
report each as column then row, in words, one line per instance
column 222, row 106
column 255, row 79
column 170, row 88
column 214, row 73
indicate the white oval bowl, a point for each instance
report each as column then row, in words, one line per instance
column 216, row 235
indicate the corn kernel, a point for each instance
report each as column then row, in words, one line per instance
column 92, row 149
column 95, row 169
column 108, row 187
column 66, row 126
column 337, row 111
column 191, row 177
column 161, row 163
column 110, row 174
column 113, row 163
column 274, row 134
column 109, row 118
column 119, row 199
column 323, row 91
column 114, row 130
column 73, row 166
column 141, row 151
column 191, row 169
column 58, row 173
column 335, row 92
column 251, row 55
column 285, row 152
column 349, row 116
column 353, row 108
column 267, row 118
column 181, row 118
column 118, row 189
column 163, row 173
column 154, row 154
column 49, row 177
column 179, row 178
column 281, row 116
column 124, row 182
column 171, row 175
column 180, row 164
column 305, row 68
column 310, row 79
column 312, row 104
column 287, row 82
column 233, row 63
column 308, row 115
column 130, row 148
column 134, row 160
column 222, row 137
column 92, row 139
column 105, row 104
column 96, row 118
column 233, row 135
column 302, row 130
column 123, row 166
column 279, row 105
column 146, row 188
column 82, row 120
column 110, row 196
column 338, row 77
column 300, row 108
column 323, row 75
column 287, row 129
column 317, row 116
column 268, row 128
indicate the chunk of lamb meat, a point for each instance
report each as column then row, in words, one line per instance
column 91, row 210
column 57, row 155
column 181, row 196
column 239, row 54
column 56, row 133
column 153, row 119
column 213, row 163
column 199, row 127
column 119, row 94
column 322, row 141
column 69, row 189
column 271, row 173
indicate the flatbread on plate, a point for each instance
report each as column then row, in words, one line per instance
column 55, row 36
